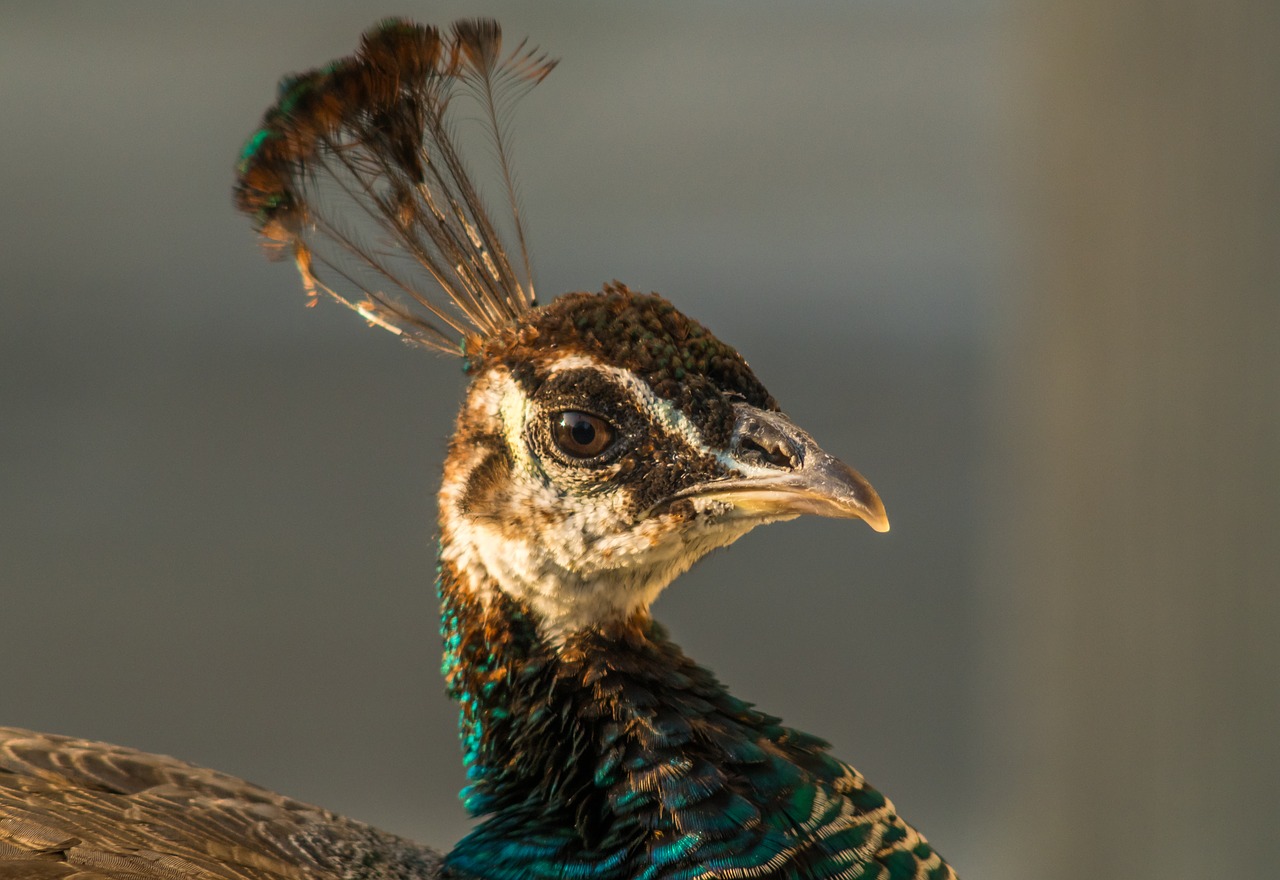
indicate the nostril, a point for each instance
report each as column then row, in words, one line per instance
column 767, row 440
column 770, row 450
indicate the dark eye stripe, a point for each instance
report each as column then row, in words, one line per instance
column 580, row 434
column 490, row 475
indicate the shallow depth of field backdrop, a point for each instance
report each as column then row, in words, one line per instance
column 1019, row 266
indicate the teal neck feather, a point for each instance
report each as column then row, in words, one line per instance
column 613, row 755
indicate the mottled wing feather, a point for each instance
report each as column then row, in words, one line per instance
column 90, row 811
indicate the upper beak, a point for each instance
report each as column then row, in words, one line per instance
column 782, row 472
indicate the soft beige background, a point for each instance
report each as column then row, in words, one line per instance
column 216, row 506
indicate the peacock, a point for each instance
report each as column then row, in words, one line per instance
column 606, row 442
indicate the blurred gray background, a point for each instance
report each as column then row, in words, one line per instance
column 1016, row 263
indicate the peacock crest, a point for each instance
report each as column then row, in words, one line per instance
column 357, row 174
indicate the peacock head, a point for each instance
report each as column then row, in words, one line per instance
column 607, row 441
column 606, row 444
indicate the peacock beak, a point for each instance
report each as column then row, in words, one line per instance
column 779, row 472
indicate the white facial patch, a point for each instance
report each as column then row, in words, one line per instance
column 579, row 560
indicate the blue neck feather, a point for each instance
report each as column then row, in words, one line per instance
column 615, row 756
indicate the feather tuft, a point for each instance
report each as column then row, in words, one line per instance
column 355, row 173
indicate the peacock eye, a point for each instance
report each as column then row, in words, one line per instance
column 581, row 435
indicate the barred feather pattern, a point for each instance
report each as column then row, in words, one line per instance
column 77, row 810
column 356, row 174
column 615, row 756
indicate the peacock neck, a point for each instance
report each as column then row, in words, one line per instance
column 538, row 720
column 609, row 750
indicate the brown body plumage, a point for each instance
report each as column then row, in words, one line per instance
column 77, row 810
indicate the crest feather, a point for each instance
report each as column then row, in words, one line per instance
column 355, row 173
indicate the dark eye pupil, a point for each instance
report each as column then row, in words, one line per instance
column 583, row 432
column 581, row 435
